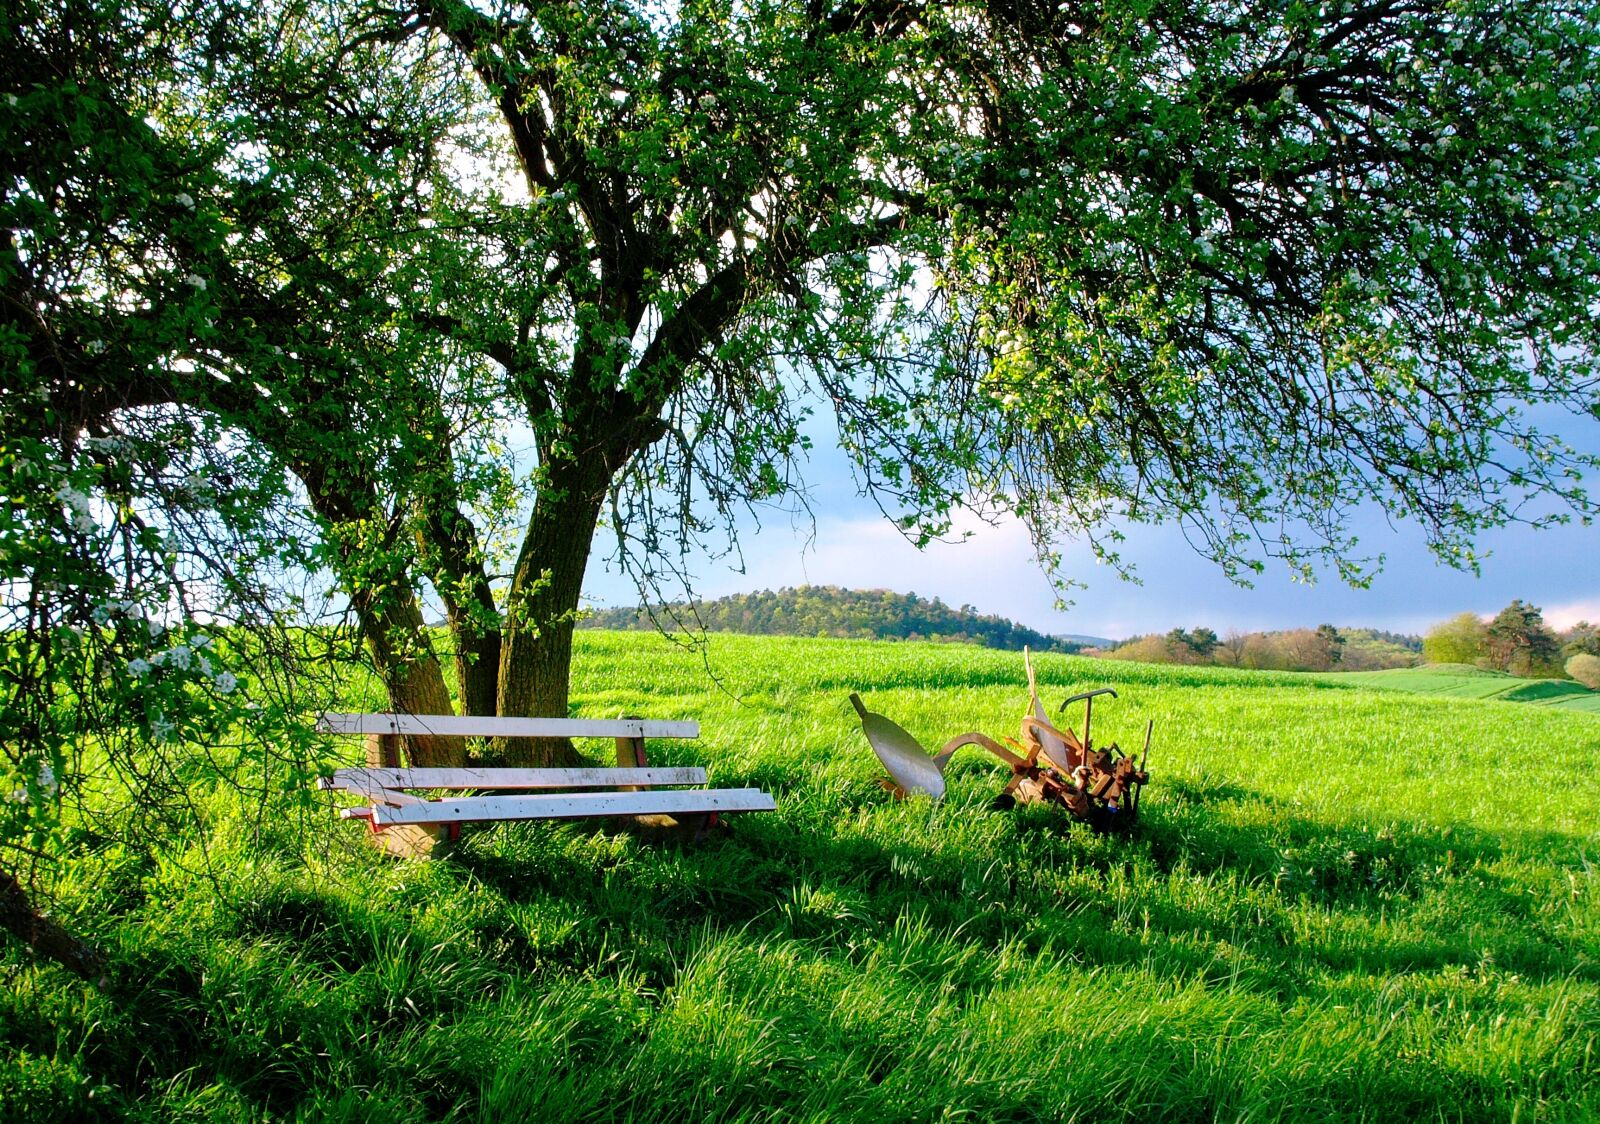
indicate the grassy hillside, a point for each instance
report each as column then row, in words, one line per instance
column 1343, row 904
column 828, row 611
column 1463, row 681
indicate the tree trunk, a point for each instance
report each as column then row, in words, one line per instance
column 391, row 620
column 536, row 646
column 452, row 557
column 44, row 936
column 449, row 549
column 391, row 623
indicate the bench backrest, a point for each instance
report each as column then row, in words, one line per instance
column 449, row 725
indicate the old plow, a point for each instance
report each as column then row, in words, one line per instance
column 1049, row 764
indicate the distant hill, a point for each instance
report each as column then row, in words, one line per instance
column 827, row 610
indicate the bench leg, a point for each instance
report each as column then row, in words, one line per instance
column 630, row 755
column 383, row 751
column 415, row 840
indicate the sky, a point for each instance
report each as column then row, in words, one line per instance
column 994, row 570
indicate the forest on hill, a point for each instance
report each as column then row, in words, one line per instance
column 827, row 610
column 1324, row 648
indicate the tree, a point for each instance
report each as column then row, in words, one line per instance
column 1231, row 649
column 1517, row 640
column 1330, row 644
column 147, row 550
column 1582, row 638
column 1145, row 649
column 1457, row 640
column 1585, row 668
column 1191, row 647
column 1241, row 267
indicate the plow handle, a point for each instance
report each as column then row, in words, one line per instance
column 1066, row 702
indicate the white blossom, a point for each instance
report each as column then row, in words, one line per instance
column 95, row 347
column 198, row 282
column 226, row 683
column 184, row 199
column 73, row 498
column 138, row 668
column 179, row 657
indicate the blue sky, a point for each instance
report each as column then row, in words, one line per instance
column 994, row 570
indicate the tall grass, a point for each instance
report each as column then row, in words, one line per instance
column 1341, row 905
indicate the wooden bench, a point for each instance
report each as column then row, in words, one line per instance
column 412, row 825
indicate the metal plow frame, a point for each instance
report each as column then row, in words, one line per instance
column 1050, row 766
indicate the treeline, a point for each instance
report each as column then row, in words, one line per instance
column 1517, row 640
column 1324, row 648
column 827, row 610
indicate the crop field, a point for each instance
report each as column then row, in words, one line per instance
column 1341, row 903
column 1464, row 681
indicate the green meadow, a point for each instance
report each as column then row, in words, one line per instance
column 1464, row 681
column 1342, row 903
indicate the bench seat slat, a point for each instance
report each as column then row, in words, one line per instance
column 375, row 778
column 473, row 726
column 569, row 805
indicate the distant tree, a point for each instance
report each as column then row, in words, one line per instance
column 1331, row 644
column 1368, row 649
column 831, row 611
column 1177, row 645
column 1457, row 640
column 1303, row 649
column 1518, row 641
column 1261, row 653
column 1145, row 649
column 1191, row 647
column 1582, row 638
column 1231, row 648
column 1585, row 668
column 1203, row 642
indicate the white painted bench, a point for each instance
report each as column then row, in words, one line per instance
column 383, row 784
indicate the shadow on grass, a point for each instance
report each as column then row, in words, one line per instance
column 297, row 992
column 1217, row 881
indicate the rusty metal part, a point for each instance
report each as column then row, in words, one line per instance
column 1100, row 787
column 913, row 768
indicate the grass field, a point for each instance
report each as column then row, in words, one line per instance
column 1464, row 681
column 1342, row 904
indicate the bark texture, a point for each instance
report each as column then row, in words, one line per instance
column 44, row 936
column 536, row 646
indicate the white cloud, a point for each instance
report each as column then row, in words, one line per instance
column 1569, row 613
column 992, row 567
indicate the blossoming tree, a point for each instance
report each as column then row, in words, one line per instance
column 464, row 281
